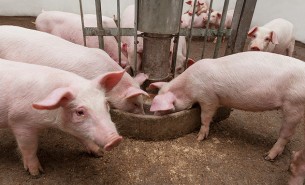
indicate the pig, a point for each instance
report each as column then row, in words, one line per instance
column 186, row 20
column 202, row 6
column 35, row 97
column 250, row 81
column 215, row 19
column 127, row 21
column 181, row 56
column 276, row 36
column 199, row 20
column 31, row 46
column 68, row 26
column 297, row 168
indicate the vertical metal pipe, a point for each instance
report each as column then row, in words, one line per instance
column 82, row 20
column 176, row 43
column 240, row 28
column 99, row 22
column 207, row 30
column 119, row 32
column 136, row 37
column 190, row 35
column 220, row 29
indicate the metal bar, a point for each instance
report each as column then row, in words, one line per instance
column 136, row 38
column 221, row 27
column 244, row 24
column 190, row 35
column 235, row 23
column 175, row 47
column 119, row 31
column 82, row 21
column 93, row 31
column 207, row 30
column 99, row 22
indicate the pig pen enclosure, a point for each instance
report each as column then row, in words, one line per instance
column 232, row 154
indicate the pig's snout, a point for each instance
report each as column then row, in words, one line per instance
column 114, row 141
column 254, row 48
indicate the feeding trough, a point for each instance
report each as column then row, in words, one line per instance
column 159, row 22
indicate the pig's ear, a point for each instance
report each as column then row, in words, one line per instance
column 58, row 97
column 109, row 80
column 156, row 85
column 163, row 102
column 273, row 37
column 252, row 31
column 189, row 62
column 133, row 92
column 219, row 15
column 189, row 2
column 124, row 49
column 140, row 78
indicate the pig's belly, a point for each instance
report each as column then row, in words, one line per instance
column 252, row 102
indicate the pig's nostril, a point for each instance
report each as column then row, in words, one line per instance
column 113, row 143
column 255, row 49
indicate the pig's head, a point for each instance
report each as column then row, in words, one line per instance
column 180, row 64
column 262, row 39
column 185, row 20
column 169, row 99
column 127, row 95
column 215, row 18
column 202, row 7
column 82, row 110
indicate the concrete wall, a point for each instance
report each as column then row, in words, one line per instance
column 266, row 10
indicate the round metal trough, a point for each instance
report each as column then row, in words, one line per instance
column 170, row 126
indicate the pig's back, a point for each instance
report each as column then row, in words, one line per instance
column 283, row 29
column 30, row 46
column 252, row 76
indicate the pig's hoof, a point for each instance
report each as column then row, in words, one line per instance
column 36, row 173
column 96, row 154
column 201, row 137
column 267, row 157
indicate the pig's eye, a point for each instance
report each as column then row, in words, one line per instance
column 136, row 105
column 267, row 39
column 80, row 112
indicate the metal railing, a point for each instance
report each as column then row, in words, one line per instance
column 239, row 28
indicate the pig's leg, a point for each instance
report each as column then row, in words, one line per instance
column 292, row 116
column 91, row 147
column 297, row 168
column 207, row 113
column 290, row 48
column 27, row 139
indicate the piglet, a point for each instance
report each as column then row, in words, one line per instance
column 215, row 19
column 250, row 81
column 30, row 46
column 68, row 26
column 35, row 97
column 127, row 21
column 276, row 36
column 181, row 56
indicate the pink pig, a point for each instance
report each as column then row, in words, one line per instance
column 35, row 97
column 68, row 26
column 199, row 20
column 25, row 45
column 202, row 6
column 276, row 36
column 216, row 16
column 181, row 56
column 127, row 21
column 250, row 81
